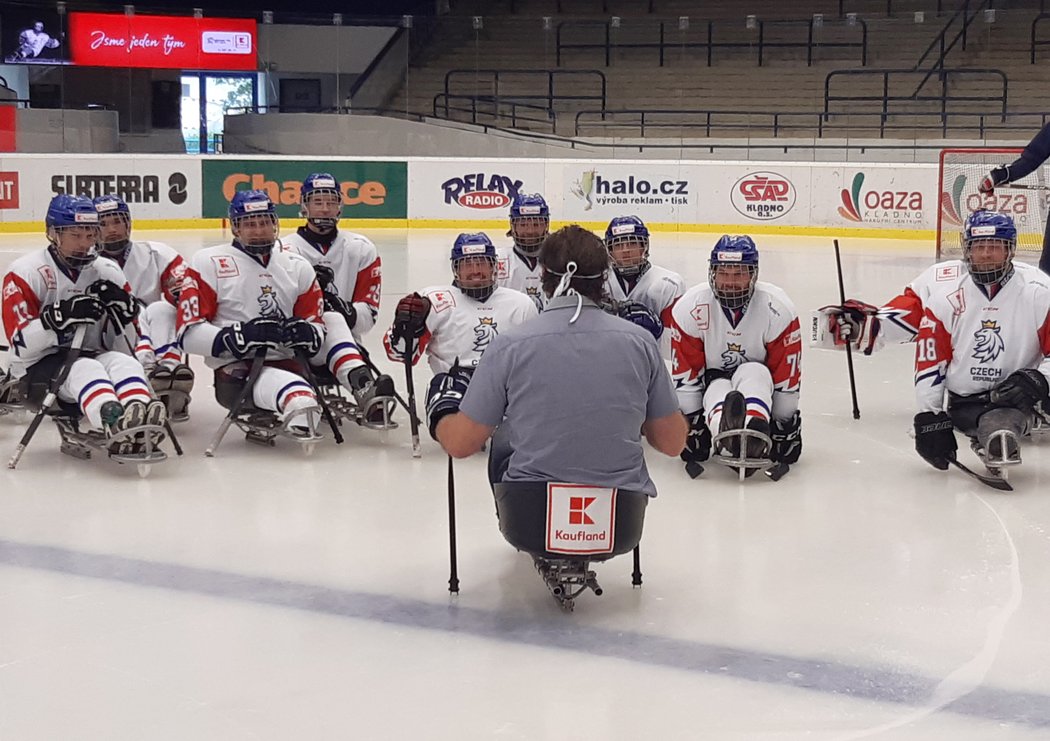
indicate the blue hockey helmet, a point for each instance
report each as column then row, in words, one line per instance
column 627, row 240
column 253, row 209
column 530, row 221
column 474, row 265
column 989, row 228
column 114, row 220
column 734, row 270
column 66, row 213
column 317, row 184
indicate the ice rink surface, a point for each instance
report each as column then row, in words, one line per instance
column 263, row 594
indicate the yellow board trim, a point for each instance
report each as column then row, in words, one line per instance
column 500, row 226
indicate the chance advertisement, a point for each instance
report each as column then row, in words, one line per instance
column 371, row 190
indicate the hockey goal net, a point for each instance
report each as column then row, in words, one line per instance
column 961, row 171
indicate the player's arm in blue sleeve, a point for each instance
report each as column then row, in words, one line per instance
column 1035, row 154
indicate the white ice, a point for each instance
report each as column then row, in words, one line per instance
column 266, row 595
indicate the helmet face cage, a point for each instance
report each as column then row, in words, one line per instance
column 114, row 241
column 321, row 190
column 82, row 252
column 260, row 242
column 629, row 254
column 471, row 251
column 72, row 229
column 734, row 296
column 989, row 229
column 529, row 232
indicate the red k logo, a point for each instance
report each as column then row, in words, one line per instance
column 578, row 510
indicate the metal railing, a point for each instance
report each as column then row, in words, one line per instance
column 943, row 98
column 493, row 77
column 559, row 6
column 483, row 107
column 782, row 122
column 662, row 44
column 1041, row 42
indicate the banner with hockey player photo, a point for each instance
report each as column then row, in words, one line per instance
column 371, row 189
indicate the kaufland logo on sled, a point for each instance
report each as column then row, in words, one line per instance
column 763, row 195
column 955, row 209
column 580, row 519
column 902, row 207
column 481, row 191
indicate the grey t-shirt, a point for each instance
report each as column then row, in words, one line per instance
column 574, row 396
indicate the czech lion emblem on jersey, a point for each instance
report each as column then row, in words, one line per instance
column 733, row 357
column 483, row 334
column 989, row 343
column 268, row 302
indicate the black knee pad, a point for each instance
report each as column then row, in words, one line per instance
column 229, row 383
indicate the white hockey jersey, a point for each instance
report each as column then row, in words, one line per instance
column 37, row 280
column 357, row 267
column 516, row 273
column 224, row 285
column 968, row 343
column 459, row 326
column 154, row 271
column 704, row 335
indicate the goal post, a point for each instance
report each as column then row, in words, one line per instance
column 960, row 173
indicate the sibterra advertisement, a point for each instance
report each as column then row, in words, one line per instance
column 154, row 188
column 371, row 190
column 162, row 42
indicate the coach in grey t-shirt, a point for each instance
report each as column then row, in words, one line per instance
column 572, row 390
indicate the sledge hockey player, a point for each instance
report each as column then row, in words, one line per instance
column 48, row 295
column 455, row 324
column 1035, row 154
column 736, row 350
column 349, row 273
column 634, row 280
column 519, row 268
column 981, row 361
column 247, row 296
column 871, row 328
column 155, row 272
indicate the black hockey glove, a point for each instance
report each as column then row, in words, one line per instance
column 698, row 442
column 82, row 309
column 120, row 305
column 787, row 439
column 336, row 304
column 641, row 315
column 445, row 395
column 935, row 438
column 994, row 179
column 410, row 316
column 243, row 339
column 1022, row 389
column 325, row 276
column 299, row 334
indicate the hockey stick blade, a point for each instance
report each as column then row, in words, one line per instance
column 993, row 481
column 694, row 469
column 777, row 471
column 1025, row 186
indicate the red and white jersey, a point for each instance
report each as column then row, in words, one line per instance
column 514, row 272
column 357, row 267
column 459, row 326
column 968, row 343
column 704, row 335
column 224, row 285
column 154, row 271
column 900, row 317
column 37, row 280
